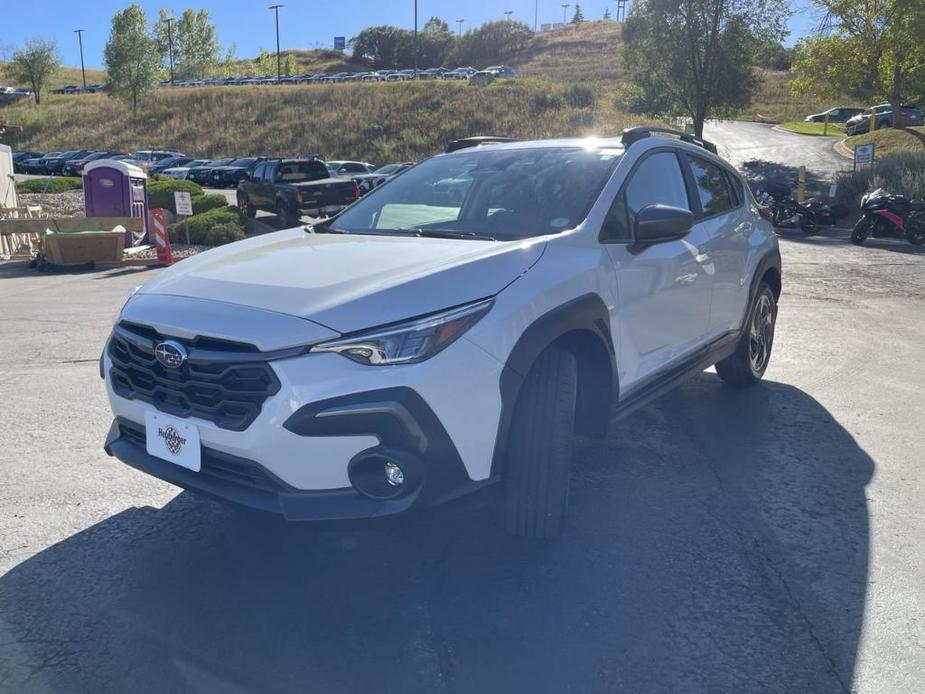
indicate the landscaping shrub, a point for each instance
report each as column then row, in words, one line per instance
column 579, row 96
column 160, row 193
column 58, row 184
column 896, row 173
column 209, row 201
column 202, row 227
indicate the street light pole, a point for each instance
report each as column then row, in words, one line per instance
column 536, row 14
column 170, row 21
column 80, row 40
column 508, row 14
column 459, row 23
column 565, row 7
column 415, row 39
column 279, row 65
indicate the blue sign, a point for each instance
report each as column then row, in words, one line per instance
column 340, row 43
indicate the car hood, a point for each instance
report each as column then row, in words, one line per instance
column 348, row 282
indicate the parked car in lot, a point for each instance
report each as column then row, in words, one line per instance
column 74, row 167
column 36, row 165
column 838, row 114
column 230, row 175
column 169, row 163
column 861, row 123
column 295, row 187
column 460, row 73
column 54, row 165
column 182, row 172
column 490, row 74
column 417, row 348
column 20, row 157
column 202, row 174
column 385, row 173
column 146, row 157
column 349, row 168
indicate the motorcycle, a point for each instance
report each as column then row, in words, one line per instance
column 890, row 216
column 787, row 213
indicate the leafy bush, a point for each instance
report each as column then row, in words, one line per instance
column 202, row 227
column 160, row 193
column 58, row 184
column 579, row 96
column 209, row 201
column 226, row 232
column 896, row 173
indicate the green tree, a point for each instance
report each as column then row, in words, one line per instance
column 578, row 17
column 132, row 57
column 875, row 50
column 195, row 43
column 490, row 43
column 435, row 42
column 290, row 66
column 34, row 65
column 696, row 58
column 265, row 63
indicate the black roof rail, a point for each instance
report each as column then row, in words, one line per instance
column 476, row 141
column 640, row 132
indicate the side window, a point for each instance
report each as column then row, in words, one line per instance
column 257, row 176
column 656, row 181
column 269, row 174
column 712, row 187
column 735, row 186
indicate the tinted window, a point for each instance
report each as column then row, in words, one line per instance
column 656, row 181
column 247, row 161
column 258, row 172
column 294, row 171
column 353, row 168
column 712, row 187
column 502, row 193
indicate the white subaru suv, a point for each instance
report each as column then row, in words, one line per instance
column 452, row 330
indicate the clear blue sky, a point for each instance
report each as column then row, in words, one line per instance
column 303, row 23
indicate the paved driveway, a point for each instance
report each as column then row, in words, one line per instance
column 721, row 541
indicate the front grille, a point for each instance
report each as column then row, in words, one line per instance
column 221, row 382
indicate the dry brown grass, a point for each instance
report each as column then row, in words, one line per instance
column 375, row 122
column 65, row 76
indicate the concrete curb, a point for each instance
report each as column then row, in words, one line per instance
column 842, row 149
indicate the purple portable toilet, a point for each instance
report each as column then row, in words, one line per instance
column 117, row 189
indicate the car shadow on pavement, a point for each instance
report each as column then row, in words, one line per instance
column 718, row 542
column 827, row 236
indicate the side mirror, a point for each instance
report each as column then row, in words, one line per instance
column 661, row 223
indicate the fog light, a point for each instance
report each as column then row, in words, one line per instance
column 394, row 475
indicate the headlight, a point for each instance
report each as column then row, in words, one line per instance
column 411, row 342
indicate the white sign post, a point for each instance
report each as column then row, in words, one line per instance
column 183, row 204
column 863, row 154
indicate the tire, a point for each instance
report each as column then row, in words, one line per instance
column 249, row 210
column 915, row 233
column 285, row 214
column 540, row 446
column 862, row 230
column 808, row 224
column 746, row 366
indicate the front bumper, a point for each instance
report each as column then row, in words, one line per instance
column 438, row 418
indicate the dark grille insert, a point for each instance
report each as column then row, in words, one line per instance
column 224, row 391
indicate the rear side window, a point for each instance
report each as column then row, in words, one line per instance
column 656, row 181
column 712, row 187
column 258, row 172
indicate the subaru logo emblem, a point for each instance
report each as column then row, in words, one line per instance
column 171, row 354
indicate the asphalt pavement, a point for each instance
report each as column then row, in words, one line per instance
column 720, row 541
column 767, row 540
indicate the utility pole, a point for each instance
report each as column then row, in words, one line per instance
column 415, row 39
column 508, row 14
column 80, row 40
column 279, row 65
column 536, row 15
column 170, row 21
column 565, row 7
column 459, row 23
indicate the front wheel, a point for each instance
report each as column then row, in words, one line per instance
column 540, row 445
column 862, row 230
column 247, row 209
column 747, row 364
column 808, row 224
column 915, row 232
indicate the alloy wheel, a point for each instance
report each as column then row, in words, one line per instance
column 761, row 335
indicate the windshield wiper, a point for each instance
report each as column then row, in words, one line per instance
column 452, row 234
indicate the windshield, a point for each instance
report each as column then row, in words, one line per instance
column 501, row 194
column 296, row 171
column 248, row 161
column 387, row 169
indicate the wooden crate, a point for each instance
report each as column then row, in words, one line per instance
column 22, row 237
column 83, row 246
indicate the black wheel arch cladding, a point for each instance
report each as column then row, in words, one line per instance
column 581, row 326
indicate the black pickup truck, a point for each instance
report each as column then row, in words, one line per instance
column 295, row 187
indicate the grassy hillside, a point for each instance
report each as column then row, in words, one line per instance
column 65, row 76
column 891, row 140
column 375, row 122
